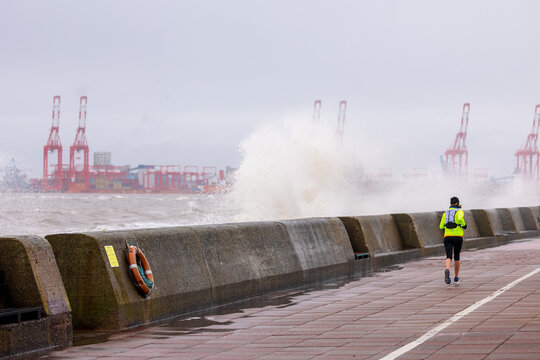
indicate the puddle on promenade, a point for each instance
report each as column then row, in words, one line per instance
column 202, row 321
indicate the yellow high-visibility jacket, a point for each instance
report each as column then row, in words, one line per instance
column 459, row 219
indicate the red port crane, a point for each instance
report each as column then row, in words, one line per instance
column 457, row 155
column 162, row 178
column 53, row 181
column 77, row 174
column 317, row 111
column 528, row 157
column 341, row 121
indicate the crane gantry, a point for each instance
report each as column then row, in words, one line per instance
column 78, row 175
column 53, row 181
column 341, row 121
column 528, row 157
column 456, row 162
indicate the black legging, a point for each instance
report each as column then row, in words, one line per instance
column 453, row 242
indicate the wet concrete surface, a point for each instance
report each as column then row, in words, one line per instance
column 356, row 318
column 200, row 321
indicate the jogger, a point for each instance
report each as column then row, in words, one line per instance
column 453, row 223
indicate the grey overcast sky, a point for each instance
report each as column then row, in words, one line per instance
column 183, row 82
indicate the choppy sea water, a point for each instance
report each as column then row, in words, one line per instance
column 48, row 213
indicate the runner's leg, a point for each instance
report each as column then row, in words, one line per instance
column 448, row 248
column 458, row 242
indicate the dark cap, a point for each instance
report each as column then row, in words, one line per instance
column 454, row 201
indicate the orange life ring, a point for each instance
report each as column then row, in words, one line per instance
column 132, row 254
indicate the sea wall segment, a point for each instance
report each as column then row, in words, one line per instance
column 501, row 221
column 29, row 278
column 248, row 259
column 102, row 295
column 483, row 223
column 535, row 210
column 427, row 227
column 472, row 230
column 408, row 231
column 527, row 216
column 322, row 246
column 379, row 236
column 517, row 219
column 195, row 267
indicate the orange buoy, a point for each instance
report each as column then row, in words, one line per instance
column 135, row 257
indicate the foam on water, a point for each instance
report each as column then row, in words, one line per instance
column 295, row 170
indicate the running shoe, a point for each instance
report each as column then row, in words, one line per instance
column 456, row 280
column 447, row 276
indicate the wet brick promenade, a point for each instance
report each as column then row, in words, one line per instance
column 367, row 318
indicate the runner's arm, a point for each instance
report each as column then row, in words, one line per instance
column 460, row 219
column 442, row 225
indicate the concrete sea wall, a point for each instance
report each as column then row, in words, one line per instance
column 195, row 267
column 380, row 236
column 198, row 267
column 29, row 278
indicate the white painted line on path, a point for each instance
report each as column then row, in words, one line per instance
column 405, row 348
